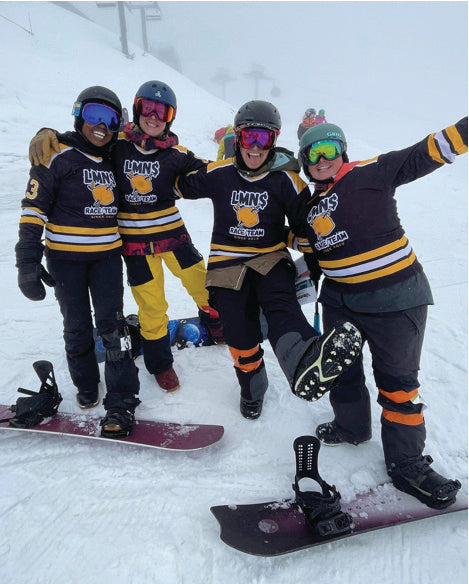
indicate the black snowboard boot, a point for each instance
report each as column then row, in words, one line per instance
column 329, row 434
column 119, row 418
column 88, row 398
column 415, row 477
column 330, row 355
column 251, row 409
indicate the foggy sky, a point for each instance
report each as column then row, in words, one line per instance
column 412, row 51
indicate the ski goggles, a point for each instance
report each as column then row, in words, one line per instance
column 328, row 149
column 98, row 113
column 261, row 137
column 146, row 107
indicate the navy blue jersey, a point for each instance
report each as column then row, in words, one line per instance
column 354, row 226
column 148, row 218
column 74, row 198
column 249, row 212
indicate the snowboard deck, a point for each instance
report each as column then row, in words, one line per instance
column 278, row 527
column 163, row 435
column 186, row 332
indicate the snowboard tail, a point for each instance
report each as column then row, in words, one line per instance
column 153, row 434
column 276, row 528
column 316, row 517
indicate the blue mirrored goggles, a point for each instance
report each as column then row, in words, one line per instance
column 98, row 113
column 328, row 149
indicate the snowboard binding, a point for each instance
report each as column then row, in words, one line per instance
column 322, row 510
column 42, row 404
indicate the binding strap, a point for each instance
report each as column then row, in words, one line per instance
column 323, row 514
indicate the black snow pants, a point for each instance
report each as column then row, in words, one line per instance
column 395, row 342
column 102, row 280
column 289, row 332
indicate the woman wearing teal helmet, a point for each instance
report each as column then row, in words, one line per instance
column 373, row 279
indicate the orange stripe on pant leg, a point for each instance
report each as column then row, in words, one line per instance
column 400, row 397
column 405, row 419
column 246, row 367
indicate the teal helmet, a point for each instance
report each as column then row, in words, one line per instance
column 317, row 134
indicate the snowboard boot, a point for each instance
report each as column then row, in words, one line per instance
column 322, row 511
column 330, row 355
column 168, row 380
column 329, row 434
column 415, row 477
column 251, row 410
column 253, row 385
column 119, row 418
column 88, row 398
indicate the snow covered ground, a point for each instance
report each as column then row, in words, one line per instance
column 79, row 512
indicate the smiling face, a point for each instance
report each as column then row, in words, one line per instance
column 325, row 169
column 253, row 157
column 96, row 135
column 152, row 125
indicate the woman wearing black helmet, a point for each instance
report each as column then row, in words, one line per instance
column 74, row 198
column 373, row 279
column 147, row 160
column 249, row 267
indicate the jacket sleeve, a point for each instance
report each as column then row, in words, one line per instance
column 37, row 203
column 193, row 185
column 300, row 244
column 298, row 196
column 192, row 163
column 404, row 166
column 303, row 245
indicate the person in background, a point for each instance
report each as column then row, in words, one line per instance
column 74, row 198
column 308, row 121
column 217, row 137
column 226, row 148
column 320, row 118
column 249, row 267
column 147, row 160
column 373, row 279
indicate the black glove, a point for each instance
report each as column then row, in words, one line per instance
column 31, row 273
column 30, row 278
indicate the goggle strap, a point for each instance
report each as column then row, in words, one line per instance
column 76, row 109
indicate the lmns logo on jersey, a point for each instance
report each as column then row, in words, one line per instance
column 101, row 183
column 247, row 205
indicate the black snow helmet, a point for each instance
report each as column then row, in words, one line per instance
column 261, row 114
column 94, row 94
column 158, row 91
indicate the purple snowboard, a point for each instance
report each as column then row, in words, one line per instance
column 165, row 435
column 275, row 528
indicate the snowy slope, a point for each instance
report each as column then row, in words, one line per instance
column 80, row 513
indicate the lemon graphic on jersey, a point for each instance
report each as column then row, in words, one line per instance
column 323, row 224
column 102, row 194
column 247, row 216
column 141, row 184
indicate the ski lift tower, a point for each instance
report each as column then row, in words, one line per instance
column 222, row 77
column 148, row 11
column 257, row 74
